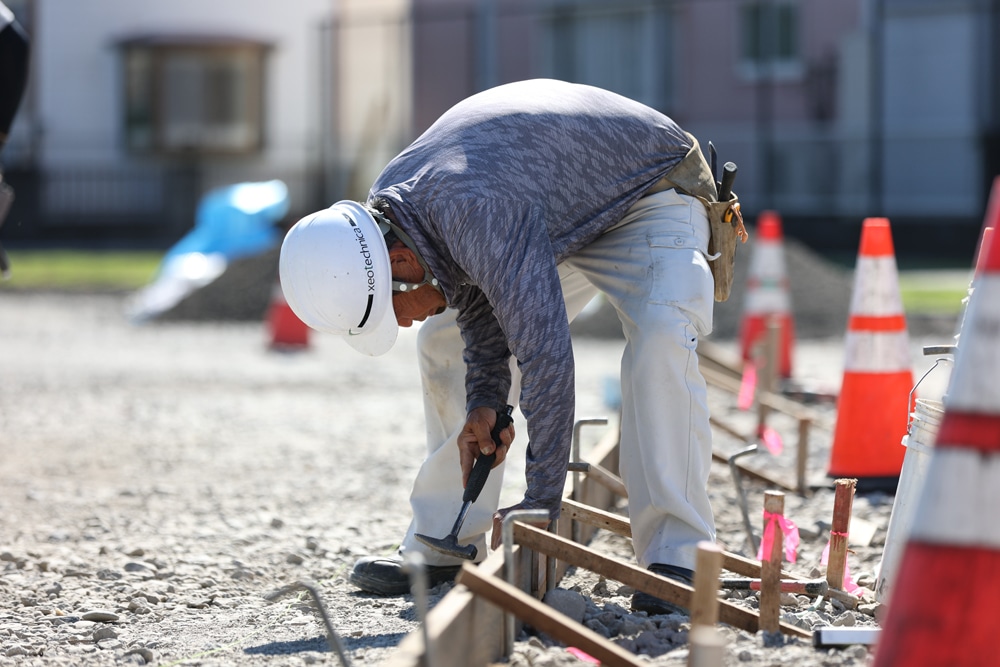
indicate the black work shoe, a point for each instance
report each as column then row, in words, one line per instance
column 653, row 605
column 384, row 575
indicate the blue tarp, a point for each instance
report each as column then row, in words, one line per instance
column 236, row 221
column 231, row 222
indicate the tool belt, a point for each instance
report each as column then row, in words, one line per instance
column 693, row 177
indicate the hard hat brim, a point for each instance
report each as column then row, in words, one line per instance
column 376, row 342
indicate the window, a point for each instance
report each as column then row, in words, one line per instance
column 200, row 96
column 769, row 44
column 622, row 46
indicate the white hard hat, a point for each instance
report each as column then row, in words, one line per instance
column 334, row 272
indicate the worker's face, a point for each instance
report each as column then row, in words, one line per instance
column 418, row 305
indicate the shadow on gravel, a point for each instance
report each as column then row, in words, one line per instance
column 320, row 645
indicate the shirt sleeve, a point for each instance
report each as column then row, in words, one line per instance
column 504, row 248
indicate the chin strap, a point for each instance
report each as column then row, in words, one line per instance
column 385, row 226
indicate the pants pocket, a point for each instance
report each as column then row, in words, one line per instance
column 682, row 278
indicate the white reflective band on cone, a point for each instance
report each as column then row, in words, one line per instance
column 960, row 499
column 876, row 290
column 767, row 300
column 979, row 348
column 877, row 352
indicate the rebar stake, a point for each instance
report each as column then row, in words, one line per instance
column 507, row 528
column 415, row 567
column 332, row 640
column 741, row 495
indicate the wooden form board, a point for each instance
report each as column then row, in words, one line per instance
column 748, row 567
column 465, row 630
column 631, row 575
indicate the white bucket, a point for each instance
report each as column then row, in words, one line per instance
column 919, row 442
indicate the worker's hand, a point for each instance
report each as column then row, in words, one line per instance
column 497, row 537
column 475, row 440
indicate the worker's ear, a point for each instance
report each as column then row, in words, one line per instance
column 403, row 262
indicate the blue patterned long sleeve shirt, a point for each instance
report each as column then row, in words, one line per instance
column 495, row 194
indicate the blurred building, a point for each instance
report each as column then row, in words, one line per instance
column 834, row 111
column 135, row 109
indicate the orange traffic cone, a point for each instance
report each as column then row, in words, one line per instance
column 287, row 331
column 767, row 297
column 875, row 395
column 944, row 607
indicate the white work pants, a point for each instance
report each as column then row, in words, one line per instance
column 652, row 268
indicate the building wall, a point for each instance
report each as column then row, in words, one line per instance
column 78, row 77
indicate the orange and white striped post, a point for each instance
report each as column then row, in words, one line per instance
column 767, row 296
column 874, row 403
column 945, row 604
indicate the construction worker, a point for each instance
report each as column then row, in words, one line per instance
column 495, row 228
column 13, row 69
column 13, row 77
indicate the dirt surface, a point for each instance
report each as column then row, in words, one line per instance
column 158, row 481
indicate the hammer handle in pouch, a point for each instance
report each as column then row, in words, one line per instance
column 481, row 470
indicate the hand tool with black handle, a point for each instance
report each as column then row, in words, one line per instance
column 477, row 480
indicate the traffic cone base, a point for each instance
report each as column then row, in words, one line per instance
column 870, row 406
column 287, row 331
column 961, row 606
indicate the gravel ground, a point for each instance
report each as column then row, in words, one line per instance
column 158, row 481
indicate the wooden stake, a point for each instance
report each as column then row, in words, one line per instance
column 708, row 647
column 843, row 501
column 802, row 456
column 770, row 586
column 544, row 618
column 705, row 602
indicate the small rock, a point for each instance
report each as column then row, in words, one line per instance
column 105, row 632
column 570, row 603
column 598, row 627
column 771, row 639
column 143, row 654
column 601, row 588
column 133, row 566
column 294, row 559
column 107, row 574
column 845, row 620
column 630, row 627
column 277, row 523
column 138, row 552
column 100, row 616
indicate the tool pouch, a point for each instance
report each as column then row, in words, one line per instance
column 692, row 176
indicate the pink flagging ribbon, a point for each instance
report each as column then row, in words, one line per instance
column 772, row 440
column 849, row 584
column 748, row 384
column 790, row 530
column 582, row 655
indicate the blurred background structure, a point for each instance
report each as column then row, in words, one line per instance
column 834, row 111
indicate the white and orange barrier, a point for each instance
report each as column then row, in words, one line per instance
column 767, row 296
column 286, row 331
column 945, row 604
column 875, row 395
